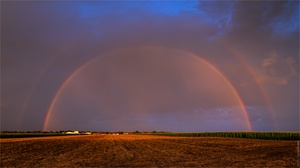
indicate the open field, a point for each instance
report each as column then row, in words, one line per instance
column 145, row 151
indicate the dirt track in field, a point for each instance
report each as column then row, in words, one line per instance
column 146, row 151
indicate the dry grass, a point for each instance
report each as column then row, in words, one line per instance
column 146, row 151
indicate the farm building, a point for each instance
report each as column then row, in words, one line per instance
column 70, row 132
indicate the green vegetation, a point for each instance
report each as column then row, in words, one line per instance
column 253, row 135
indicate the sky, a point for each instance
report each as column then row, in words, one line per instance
column 180, row 66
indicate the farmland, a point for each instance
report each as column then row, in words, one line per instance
column 145, row 151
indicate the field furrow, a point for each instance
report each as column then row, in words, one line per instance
column 146, row 151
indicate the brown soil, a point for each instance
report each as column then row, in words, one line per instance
column 146, row 151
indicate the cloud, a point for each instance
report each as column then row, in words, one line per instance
column 42, row 43
column 271, row 60
column 276, row 70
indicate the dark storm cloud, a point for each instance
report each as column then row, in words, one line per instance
column 42, row 43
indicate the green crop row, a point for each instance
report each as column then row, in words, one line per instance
column 253, row 135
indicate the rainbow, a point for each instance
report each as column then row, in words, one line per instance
column 63, row 85
column 256, row 81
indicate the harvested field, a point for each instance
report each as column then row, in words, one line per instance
column 146, row 151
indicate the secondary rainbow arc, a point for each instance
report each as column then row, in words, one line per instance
column 259, row 85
